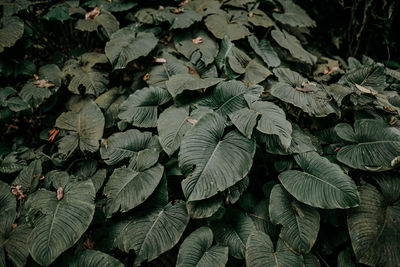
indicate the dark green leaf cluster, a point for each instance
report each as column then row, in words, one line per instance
column 193, row 133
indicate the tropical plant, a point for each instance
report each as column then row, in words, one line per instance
column 192, row 133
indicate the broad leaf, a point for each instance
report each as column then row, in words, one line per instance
column 322, row 184
column 373, row 145
column 374, row 225
column 292, row 44
column 181, row 20
column 155, row 232
column 300, row 223
column 12, row 28
column 140, row 109
column 258, row 17
column 105, row 19
column 126, row 144
column 255, row 72
column 294, row 89
column 29, row 177
column 293, row 15
column 84, row 128
column 93, row 258
column 264, row 49
column 205, row 49
column 205, row 208
column 228, row 24
column 62, row 222
column 211, row 160
column 372, row 76
column 235, row 233
column 127, row 188
column 35, row 91
column 180, row 82
column 111, row 6
column 128, row 44
column 83, row 74
column 228, row 97
column 260, row 252
column 197, row 250
column 173, row 124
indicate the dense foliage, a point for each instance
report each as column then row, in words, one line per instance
column 195, row 133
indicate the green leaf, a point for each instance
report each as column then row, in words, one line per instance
column 111, row 6
column 105, row 19
column 140, row 109
column 211, row 160
column 322, row 184
column 258, row 17
column 126, row 188
column 374, row 225
column 15, row 245
column 128, row 44
column 180, row 82
column 372, row 76
column 373, row 145
column 7, row 201
column 293, row 15
column 228, row 97
column 260, row 252
column 294, row 46
column 300, row 223
column 35, row 92
column 206, row 50
column 58, row 12
column 93, row 258
column 235, row 234
column 12, row 29
column 245, row 120
column 173, row 124
column 197, row 250
column 264, row 49
column 123, row 145
column 84, row 127
column 255, row 72
column 181, row 20
column 228, row 24
column 62, row 222
column 83, row 74
column 29, row 177
column 204, row 208
column 294, row 89
column 148, row 235
column 11, row 163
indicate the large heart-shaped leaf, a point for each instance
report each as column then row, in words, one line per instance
column 231, row 24
column 294, row 46
column 272, row 121
column 300, row 223
column 154, row 232
column 140, row 109
column 11, row 30
column 260, row 252
column 127, row 188
column 294, row 89
column 211, row 160
column 374, row 225
column 93, row 258
column 234, row 234
column 293, row 15
column 229, row 96
column 374, row 145
column 372, row 76
column 322, row 184
column 105, row 19
column 29, row 177
column 197, row 250
column 196, row 45
column 264, row 49
column 62, row 222
column 128, row 44
column 180, row 82
column 84, row 127
column 178, row 19
column 35, row 91
column 126, row 144
column 83, row 74
column 173, row 124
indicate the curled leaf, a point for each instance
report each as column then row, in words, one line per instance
column 197, row 40
column 60, row 193
column 92, row 14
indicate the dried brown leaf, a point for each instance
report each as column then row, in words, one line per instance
column 92, row 14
